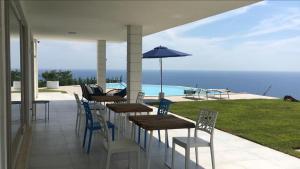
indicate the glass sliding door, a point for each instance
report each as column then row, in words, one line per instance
column 16, row 119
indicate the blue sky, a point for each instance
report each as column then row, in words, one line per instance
column 261, row 37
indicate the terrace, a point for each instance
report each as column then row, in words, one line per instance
column 25, row 143
column 56, row 145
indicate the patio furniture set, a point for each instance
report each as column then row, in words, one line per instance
column 215, row 93
column 131, row 114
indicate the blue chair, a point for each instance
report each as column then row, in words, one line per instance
column 162, row 110
column 91, row 125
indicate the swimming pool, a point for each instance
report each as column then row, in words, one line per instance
column 153, row 90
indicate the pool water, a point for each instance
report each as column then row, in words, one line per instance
column 153, row 90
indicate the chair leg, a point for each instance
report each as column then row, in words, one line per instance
column 139, row 135
column 108, row 160
column 212, row 156
column 129, row 160
column 138, row 159
column 76, row 125
column 197, row 158
column 79, row 124
column 113, row 133
column 90, row 140
column 84, row 137
column 187, row 157
column 173, row 155
column 159, row 135
column 145, row 139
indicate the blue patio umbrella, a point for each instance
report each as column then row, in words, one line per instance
column 162, row 52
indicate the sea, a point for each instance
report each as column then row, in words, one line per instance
column 276, row 84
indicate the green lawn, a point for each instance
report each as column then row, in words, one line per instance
column 45, row 90
column 51, row 90
column 273, row 123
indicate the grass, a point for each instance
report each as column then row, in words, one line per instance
column 45, row 90
column 273, row 123
column 51, row 90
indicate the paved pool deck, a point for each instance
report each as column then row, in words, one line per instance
column 232, row 95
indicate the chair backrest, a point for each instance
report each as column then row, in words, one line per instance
column 85, row 93
column 78, row 102
column 104, row 130
column 140, row 97
column 98, row 90
column 163, row 108
column 206, row 121
column 88, row 114
column 121, row 93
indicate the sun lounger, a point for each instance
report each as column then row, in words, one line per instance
column 189, row 92
column 213, row 92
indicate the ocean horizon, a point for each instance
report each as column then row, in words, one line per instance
column 256, row 82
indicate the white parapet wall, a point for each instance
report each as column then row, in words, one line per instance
column 52, row 84
column 17, row 85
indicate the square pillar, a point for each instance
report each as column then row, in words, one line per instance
column 101, row 64
column 28, row 75
column 134, row 61
column 35, row 69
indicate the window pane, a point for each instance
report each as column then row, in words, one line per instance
column 15, row 60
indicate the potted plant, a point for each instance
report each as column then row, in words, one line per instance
column 52, row 80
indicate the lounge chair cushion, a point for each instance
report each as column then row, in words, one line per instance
column 89, row 89
column 98, row 91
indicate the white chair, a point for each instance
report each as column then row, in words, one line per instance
column 206, row 123
column 80, row 112
column 140, row 97
column 117, row 146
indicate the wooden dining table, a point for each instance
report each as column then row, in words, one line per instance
column 126, row 108
column 162, row 122
column 107, row 98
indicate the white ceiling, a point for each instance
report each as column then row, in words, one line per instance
column 107, row 20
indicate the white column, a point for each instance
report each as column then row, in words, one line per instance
column 101, row 64
column 134, row 61
column 3, row 92
column 35, row 68
column 29, row 75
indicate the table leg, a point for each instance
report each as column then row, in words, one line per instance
column 35, row 112
column 119, row 124
column 149, row 150
column 125, row 124
column 45, row 112
column 32, row 113
column 187, row 151
column 48, row 111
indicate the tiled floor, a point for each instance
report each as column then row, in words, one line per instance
column 55, row 145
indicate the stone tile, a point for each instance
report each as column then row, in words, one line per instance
column 56, row 145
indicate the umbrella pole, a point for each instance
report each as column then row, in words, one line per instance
column 160, row 75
